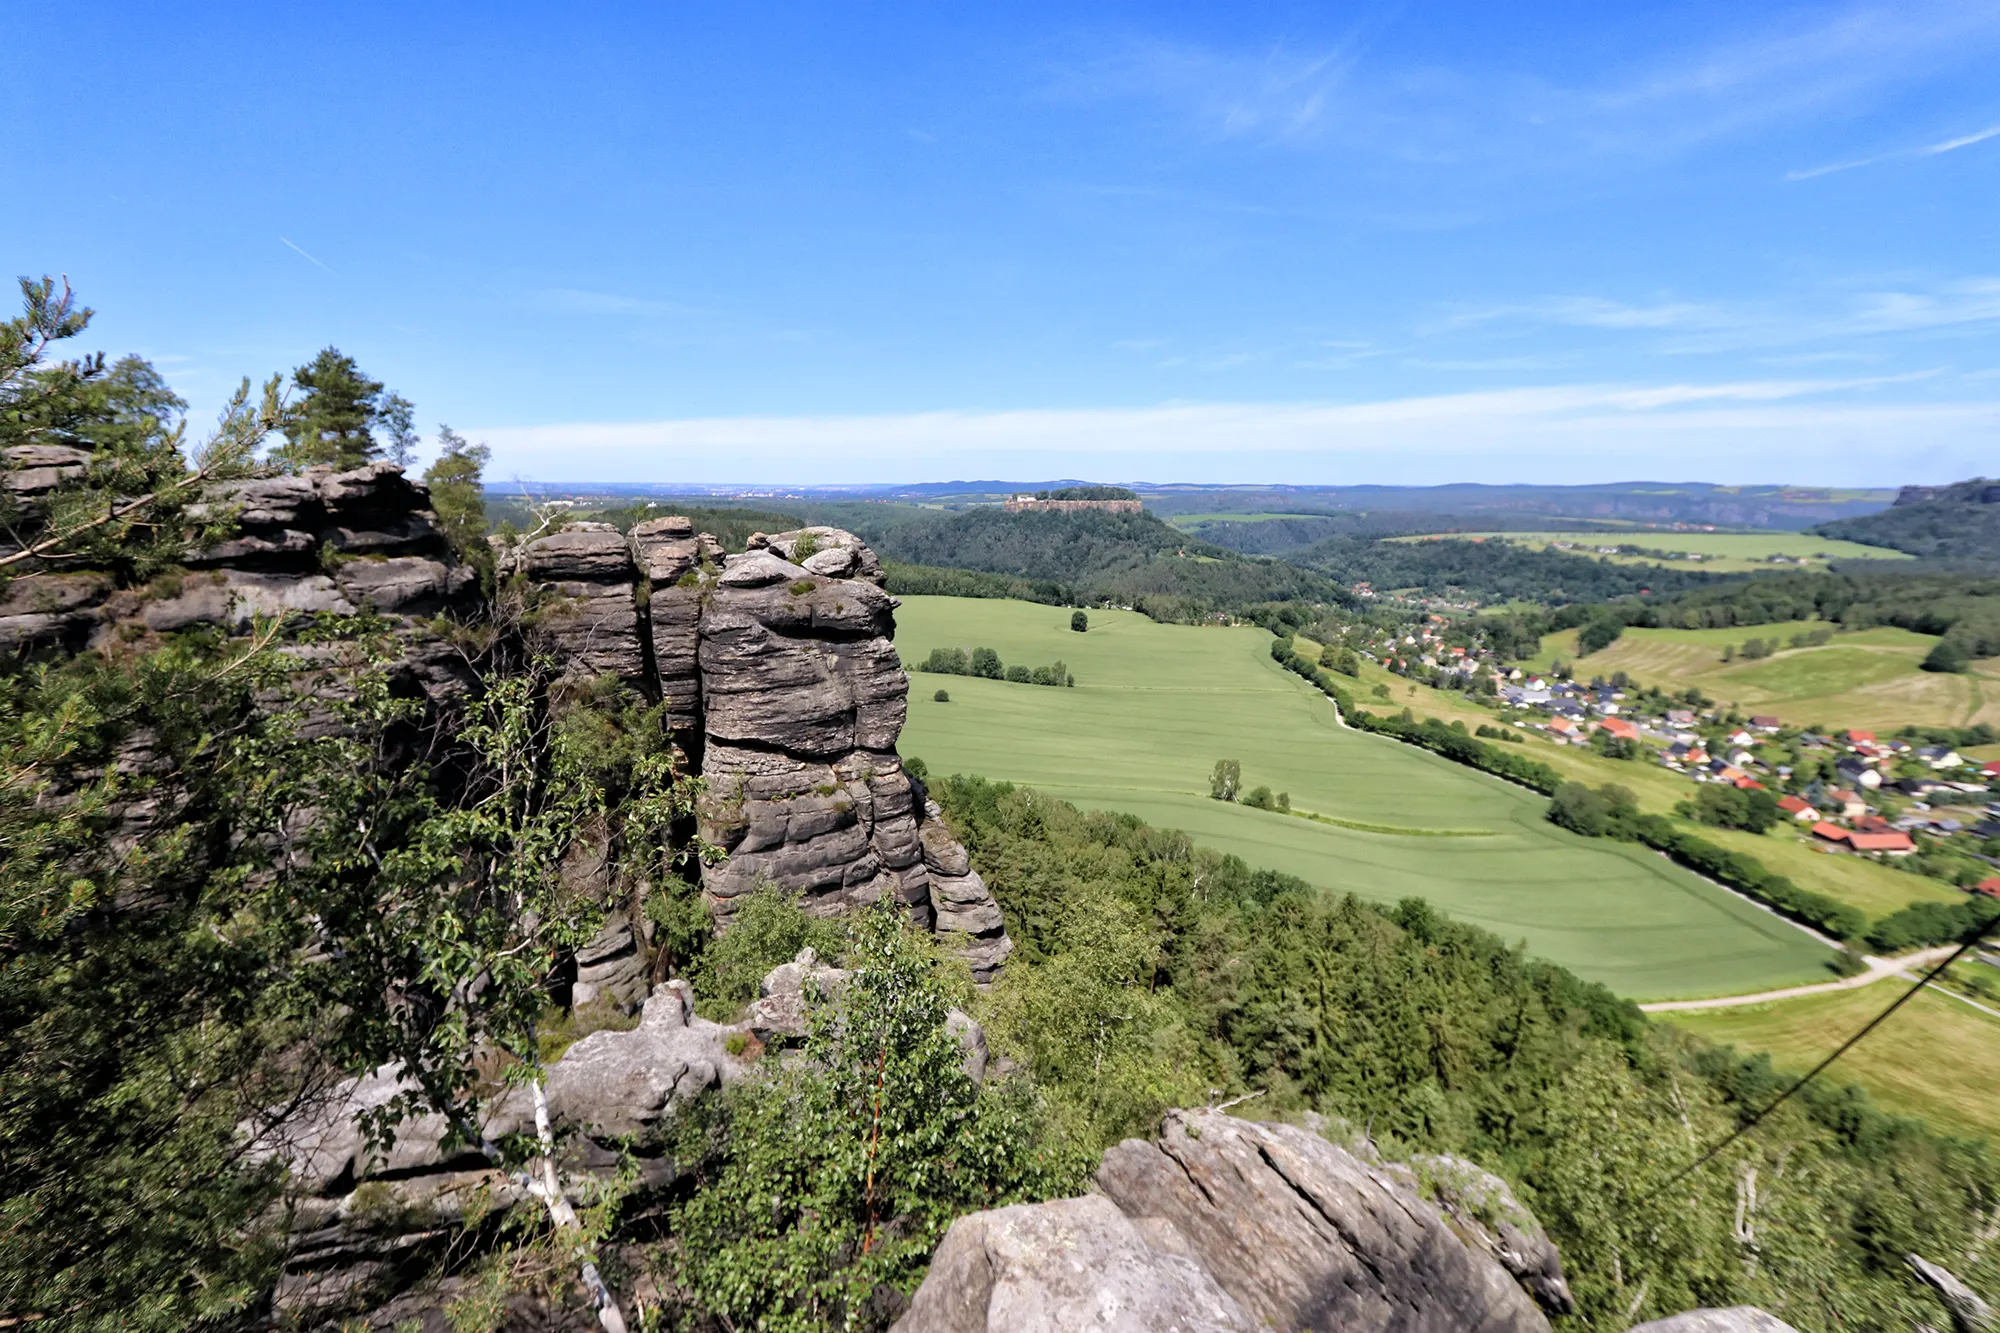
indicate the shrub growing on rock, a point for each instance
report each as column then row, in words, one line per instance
column 836, row 1175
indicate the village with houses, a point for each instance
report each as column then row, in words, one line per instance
column 1854, row 792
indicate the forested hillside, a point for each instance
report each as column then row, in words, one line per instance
column 1964, row 609
column 1493, row 570
column 1130, row 559
column 1151, row 971
column 1958, row 522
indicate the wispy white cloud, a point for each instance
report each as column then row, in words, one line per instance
column 1589, row 312
column 1740, row 430
column 1651, row 105
column 1687, row 327
column 1928, row 150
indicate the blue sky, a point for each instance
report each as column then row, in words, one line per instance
column 1244, row 242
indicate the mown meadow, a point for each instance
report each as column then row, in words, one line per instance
column 1869, row 678
column 1932, row 1058
column 1155, row 706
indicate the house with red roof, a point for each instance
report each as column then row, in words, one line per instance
column 1859, row 737
column 1620, row 729
column 1990, row 886
column 1833, row 833
column 1891, row 843
column 1770, row 726
column 1798, row 809
column 1850, row 803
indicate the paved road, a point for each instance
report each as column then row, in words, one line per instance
column 1878, row 968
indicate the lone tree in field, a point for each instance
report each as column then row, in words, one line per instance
column 1079, row 622
column 1226, row 780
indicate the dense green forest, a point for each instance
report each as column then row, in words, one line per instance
column 1152, row 972
column 1960, row 522
column 1290, row 533
column 1490, row 570
column 1964, row 608
column 1130, row 559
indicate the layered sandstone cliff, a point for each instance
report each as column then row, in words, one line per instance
column 776, row 667
column 779, row 673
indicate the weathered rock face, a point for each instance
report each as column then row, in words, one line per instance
column 591, row 615
column 777, row 667
column 673, row 558
column 322, row 542
column 803, row 700
column 781, row 681
column 367, row 1222
column 1222, row 1223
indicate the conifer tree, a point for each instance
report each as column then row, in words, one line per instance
column 334, row 418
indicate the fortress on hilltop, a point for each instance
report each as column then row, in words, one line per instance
column 1073, row 499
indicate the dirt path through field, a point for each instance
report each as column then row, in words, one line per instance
column 1878, row 968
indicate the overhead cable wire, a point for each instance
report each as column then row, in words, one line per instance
column 1969, row 942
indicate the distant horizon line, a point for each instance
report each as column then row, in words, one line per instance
column 752, row 490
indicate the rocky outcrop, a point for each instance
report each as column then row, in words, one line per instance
column 1225, row 1224
column 589, row 611
column 674, row 558
column 1969, row 1312
column 321, row 542
column 366, row 1222
column 779, row 673
column 777, row 667
column 803, row 700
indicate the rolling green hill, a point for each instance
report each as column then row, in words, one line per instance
column 1156, row 705
column 1870, row 678
column 1957, row 522
column 1128, row 559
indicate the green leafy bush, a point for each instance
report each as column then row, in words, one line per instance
column 826, row 1184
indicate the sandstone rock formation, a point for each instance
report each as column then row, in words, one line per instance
column 781, row 682
column 366, row 1221
column 1221, row 1223
column 322, row 542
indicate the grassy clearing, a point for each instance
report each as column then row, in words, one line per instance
column 1720, row 552
column 1875, row 888
column 1155, row 706
column 1870, row 678
column 1935, row 1058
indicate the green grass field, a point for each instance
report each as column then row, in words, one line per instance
column 1870, row 678
column 1157, row 705
column 1935, row 1058
column 1720, row 552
